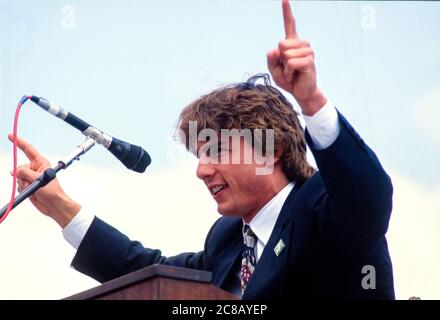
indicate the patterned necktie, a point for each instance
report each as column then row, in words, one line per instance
column 248, row 260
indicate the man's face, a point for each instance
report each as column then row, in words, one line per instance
column 235, row 185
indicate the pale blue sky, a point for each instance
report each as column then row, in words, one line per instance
column 130, row 67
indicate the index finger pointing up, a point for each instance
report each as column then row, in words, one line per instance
column 289, row 21
column 30, row 152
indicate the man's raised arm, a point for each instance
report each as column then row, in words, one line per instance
column 292, row 66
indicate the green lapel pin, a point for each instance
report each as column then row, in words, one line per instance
column 279, row 247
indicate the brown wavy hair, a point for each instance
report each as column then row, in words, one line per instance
column 249, row 105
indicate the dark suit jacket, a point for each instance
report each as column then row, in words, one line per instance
column 332, row 226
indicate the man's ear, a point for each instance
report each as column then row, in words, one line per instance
column 279, row 151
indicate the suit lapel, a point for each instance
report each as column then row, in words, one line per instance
column 226, row 261
column 272, row 263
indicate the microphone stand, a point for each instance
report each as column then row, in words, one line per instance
column 51, row 173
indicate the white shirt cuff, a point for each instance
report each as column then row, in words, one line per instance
column 323, row 126
column 77, row 228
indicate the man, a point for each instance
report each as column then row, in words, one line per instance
column 288, row 233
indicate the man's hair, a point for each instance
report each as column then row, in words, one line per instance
column 249, row 105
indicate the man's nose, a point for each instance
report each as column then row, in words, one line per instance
column 204, row 170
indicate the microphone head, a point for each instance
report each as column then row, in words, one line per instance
column 133, row 157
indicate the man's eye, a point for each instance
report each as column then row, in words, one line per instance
column 213, row 152
column 222, row 152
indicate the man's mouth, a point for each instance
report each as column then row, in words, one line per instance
column 215, row 190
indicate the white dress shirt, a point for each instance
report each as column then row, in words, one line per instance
column 264, row 221
column 323, row 128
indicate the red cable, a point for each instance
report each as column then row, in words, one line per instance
column 14, row 174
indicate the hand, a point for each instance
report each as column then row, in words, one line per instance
column 292, row 67
column 50, row 200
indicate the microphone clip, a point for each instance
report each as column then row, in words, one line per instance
column 99, row 136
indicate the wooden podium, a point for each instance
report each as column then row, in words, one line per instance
column 158, row 282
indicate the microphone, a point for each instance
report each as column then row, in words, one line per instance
column 133, row 157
